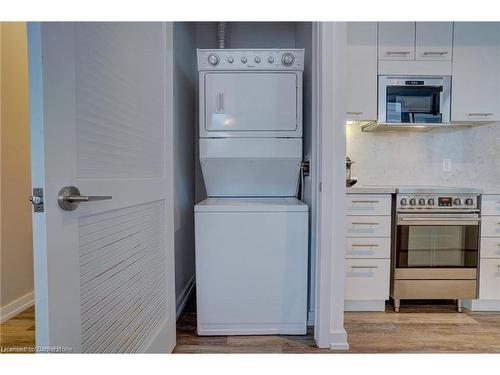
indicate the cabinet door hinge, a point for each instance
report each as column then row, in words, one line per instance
column 37, row 200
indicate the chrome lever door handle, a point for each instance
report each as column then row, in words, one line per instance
column 69, row 198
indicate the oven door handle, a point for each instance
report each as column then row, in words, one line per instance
column 402, row 220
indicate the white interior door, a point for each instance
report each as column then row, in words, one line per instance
column 101, row 121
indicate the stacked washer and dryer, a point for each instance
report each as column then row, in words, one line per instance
column 251, row 232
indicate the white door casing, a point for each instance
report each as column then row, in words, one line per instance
column 101, row 120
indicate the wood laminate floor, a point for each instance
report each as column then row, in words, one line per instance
column 418, row 328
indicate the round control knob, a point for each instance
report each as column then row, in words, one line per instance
column 270, row 59
column 230, row 60
column 413, row 201
column 421, row 202
column 469, row 201
column 287, row 59
column 457, row 201
column 431, row 202
column 213, row 59
column 257, row 59
column 403, row 202
column 244, row 60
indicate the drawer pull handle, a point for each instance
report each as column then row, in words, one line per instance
column 398, row 52
column 440, row 53
column 370, row 245
column 369, row 267
column 364, row 201
column 480, row 114
column 354, row 113
column 360, row 223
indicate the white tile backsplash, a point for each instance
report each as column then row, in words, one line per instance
column 416, row 158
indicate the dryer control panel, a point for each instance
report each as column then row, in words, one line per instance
column 250, row 59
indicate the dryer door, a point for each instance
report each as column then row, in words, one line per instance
column 251, row 104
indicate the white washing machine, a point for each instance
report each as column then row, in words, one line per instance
column 251, row 233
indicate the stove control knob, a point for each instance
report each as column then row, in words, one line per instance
column 421, row 202
column 270, row 59
column 287, row 59
column 457, row 201
column 469, row 201
column 230, row 59
column 213, row 59
column 257, row 59
column 413, row 201
column 403, row 202
column 431, row 202
column 244, row 60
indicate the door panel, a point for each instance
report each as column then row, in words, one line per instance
column 434, row 40
column 239, row 102
column 396, row 40
column 101, row 123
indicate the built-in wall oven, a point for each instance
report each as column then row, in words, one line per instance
column 436, row 246
column 414, row 99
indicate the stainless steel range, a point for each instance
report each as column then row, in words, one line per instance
column 435, row 244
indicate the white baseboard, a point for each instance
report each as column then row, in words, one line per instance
column 338, row 340
column 16, row 307
column 364, row 305
column 184, row 297
column 482, row 304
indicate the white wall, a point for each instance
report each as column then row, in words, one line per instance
column 16, row 260
column 414, row 158
column 184, row 155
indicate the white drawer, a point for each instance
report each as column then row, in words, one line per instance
column 366, row 247
column 490, row 205
column 490, row 226
column 489, row 279
column 490, row 247
column 367, row 279
column 368, row 226
column 368, row 204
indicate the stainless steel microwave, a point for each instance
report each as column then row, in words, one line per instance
column 414, row 99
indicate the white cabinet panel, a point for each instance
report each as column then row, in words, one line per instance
column 369, row 248
column 476, row 72
column 490, row 226
column 396, row 40
column 434, row 40
column 362, row 71
column 489, row 279
column 490, row 205
column 368, row 226
column 368, row 204
column 367, row 279
column 490, row 247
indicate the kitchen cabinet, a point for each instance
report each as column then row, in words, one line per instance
column 396, row 40
column 433, row 40
column 476, row 72
column 362, row 71
column 367, row 253
column 489, row 264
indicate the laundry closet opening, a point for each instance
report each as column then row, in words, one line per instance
column 248, row 251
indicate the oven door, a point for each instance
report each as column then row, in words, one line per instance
column 437, row 241
column 414, row 100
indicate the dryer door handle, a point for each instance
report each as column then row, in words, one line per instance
column 220, row 103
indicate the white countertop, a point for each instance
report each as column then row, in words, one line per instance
column 371, row 189
column 491, row 190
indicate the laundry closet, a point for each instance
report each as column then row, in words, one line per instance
column 242, row 173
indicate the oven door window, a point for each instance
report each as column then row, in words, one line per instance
column 410, row 104
column 435, row 246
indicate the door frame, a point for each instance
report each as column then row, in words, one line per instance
column 329, row 116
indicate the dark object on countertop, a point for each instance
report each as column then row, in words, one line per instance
column 350, row 181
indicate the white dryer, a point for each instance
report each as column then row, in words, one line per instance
column 251, row 233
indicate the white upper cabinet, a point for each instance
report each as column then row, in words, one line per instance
column 476, row 72
column 362, row 71
column 396, row 40
column 433, row 40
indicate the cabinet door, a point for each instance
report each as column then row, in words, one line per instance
column 362, row 71
column 396, row 40
column 476, row 72
column 434, row 40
